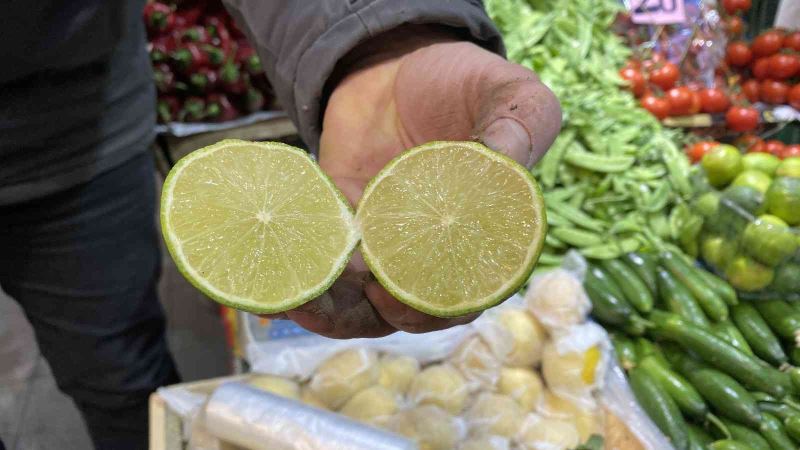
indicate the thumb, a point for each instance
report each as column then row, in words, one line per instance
column 517, row 114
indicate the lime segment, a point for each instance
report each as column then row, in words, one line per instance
column 452, row 227
column 256, row 226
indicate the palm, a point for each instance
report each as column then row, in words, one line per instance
column 446, row 91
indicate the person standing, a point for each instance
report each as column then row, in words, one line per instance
column 362, row 80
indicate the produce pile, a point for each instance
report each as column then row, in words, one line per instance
column 528, row 378
column 742, row 219
column 613, row 174
column 696, row 78
column 700, row 362
column 768, row 67
column 203, row 67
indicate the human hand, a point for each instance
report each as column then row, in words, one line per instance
column 414, row 85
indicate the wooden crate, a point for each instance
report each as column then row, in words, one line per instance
column 166, row 426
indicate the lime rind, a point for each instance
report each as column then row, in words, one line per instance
column 234, row 301
column 508, row 288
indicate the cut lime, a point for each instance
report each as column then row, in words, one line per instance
column 256, row 226
column 452, row 227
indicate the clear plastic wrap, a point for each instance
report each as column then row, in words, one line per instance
column 430, row 427
column 494, row 414
column 397, row 372
column 523, row 385
column 558, row 300
column 542, row 433
column 441, row 385
column 257, row 420
column 477, row 363
column 527, row 335
column 343, row 375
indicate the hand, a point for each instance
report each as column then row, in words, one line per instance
column 414, row 85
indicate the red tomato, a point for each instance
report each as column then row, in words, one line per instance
column 696, row 102
column 750, row 88
column 657, row 106
column 760, row 68
column 767, row 43
column 633, row 63
column 713, row 100
column 656, row 59
column 783, row 66
column 699, row 149
column 792, row 41
column 794, row 96
column 734, row 25
column 665, row 76
column 635, row 80
column 749, row 142
column 791, row 151
column 774, row 91
column 680, row 101
column 734, row 6
column 741, row 118
column 774, row 146
column 738, row 54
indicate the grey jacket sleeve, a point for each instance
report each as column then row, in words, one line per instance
column 300, row 41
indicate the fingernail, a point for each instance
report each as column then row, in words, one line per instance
column 507, row 136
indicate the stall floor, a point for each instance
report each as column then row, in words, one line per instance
column 34, row 415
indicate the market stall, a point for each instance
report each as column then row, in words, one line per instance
column 664, row 311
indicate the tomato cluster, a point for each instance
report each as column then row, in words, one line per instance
column 655, row 83
column 767, row 70
column 769, row 67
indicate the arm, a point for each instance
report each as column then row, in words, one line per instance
column 404, row 86
column 301, row 42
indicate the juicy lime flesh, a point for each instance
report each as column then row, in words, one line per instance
column 450, row 228
column 256, row 226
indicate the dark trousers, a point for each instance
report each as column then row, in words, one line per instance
column 84, row 264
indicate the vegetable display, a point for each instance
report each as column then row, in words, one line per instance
column 692, row 363
column 203, row 67
column 747, row 211
column 613, row 174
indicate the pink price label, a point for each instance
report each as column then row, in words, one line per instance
column 658, row 12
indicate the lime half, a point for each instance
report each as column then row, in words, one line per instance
column 256, row 226
column 452, row 227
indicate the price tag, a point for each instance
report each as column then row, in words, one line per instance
column 658, row 12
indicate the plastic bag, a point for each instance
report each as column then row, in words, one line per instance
column 257, row 420
column 458, row 388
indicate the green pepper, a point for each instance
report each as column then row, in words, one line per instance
column 781, row 318
column 660, row 407
column 625, row 350
column 752, row 372
column 720, row 286
column 699, row 435
column 744, row 434
column 608, row 305
column 677, row 387
column 645, row 266
column 730, row 334
column 729, row 444
column 758, row 334
column 711, row 303
column 725, row 394
column 632, row 287
column 792, row 426
column 678, row 299
column 772, row 430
